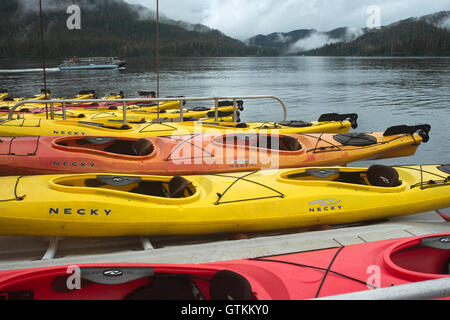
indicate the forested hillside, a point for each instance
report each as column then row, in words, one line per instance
column 410, row 37
column 108, row 28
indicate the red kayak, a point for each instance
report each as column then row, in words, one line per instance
column 196, row 154
column 295, row 276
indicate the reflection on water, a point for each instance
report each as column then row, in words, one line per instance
column 383, row 91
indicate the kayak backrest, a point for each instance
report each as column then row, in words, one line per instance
column 229, row 285
column 382, row 176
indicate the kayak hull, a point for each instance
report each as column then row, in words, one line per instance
column 294, row 276
column 90, row 205
column 189, row 154
column 44, row 127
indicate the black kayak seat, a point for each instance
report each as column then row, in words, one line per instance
column 383, row 176
column 229, row 285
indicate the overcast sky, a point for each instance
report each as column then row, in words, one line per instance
column 242, row 19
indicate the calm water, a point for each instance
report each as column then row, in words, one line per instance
column 383, row 91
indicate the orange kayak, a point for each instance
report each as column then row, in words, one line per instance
column 203, row 153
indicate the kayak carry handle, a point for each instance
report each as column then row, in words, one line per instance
column 352, row 117
column 423, row 130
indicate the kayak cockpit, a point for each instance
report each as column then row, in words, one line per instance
column 131, row 283
column 375, row 176
column 425, row 257
column 223, row 285
column 261, row 141
column 161, row 187
column 119, row 146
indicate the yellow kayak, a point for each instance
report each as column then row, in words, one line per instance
column 8, row 104
column 124, row 205
column 44, row 127
column 3, row 94
column 133, row 115
column 75, row 111
column 40, row 107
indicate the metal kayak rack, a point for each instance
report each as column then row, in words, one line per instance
column 65, row 102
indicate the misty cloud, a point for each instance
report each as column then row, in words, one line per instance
column 244, row 19
column 316, row 40
column 319, row 39
column 445, row 24
column 353, row 32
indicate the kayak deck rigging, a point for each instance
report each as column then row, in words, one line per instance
column 12, row 152
column 16, row 197
column 184, row 141
column 430, row 183
column 244, row 178
column 364, row 140
column 326, row 271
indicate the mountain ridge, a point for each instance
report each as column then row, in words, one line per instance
column 340, row 41
column 117, row 28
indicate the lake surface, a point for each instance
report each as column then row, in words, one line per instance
column 382, row 91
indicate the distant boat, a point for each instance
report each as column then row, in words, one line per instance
column 92, row 63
